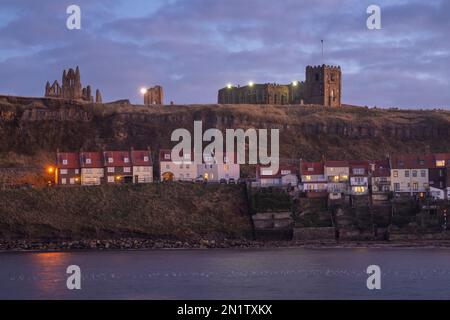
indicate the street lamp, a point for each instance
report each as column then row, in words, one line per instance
column 295, row 83
column 229, row 86
column 143, row 90
column 250, row 84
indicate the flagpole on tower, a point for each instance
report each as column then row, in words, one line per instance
column 323, row 61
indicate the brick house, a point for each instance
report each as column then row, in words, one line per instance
column 67, row 168
column 286, row 175
column 438, row 171
column 380, row 179
column 118, row 167
column 185, row 170
column 337, row 176
column 313, row 177
column 212, row 170
column 410, row 174
column 92, row 170
column 142, row 165
column 359, row 177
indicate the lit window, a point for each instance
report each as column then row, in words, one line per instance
column 110, row 179
column 63, row 171
column 440, row 163
column 88, row 161
column 63, row 181
column 285, row 172
column 111, row 169
column 266, row 172
column 395, row 174
column 126, row 160
column 110, row 160
column 360, row 189
column 127, row 169
column 77, row 171
column 167, row 156
column 145, row 159
column 415, row 186
column 308, row 178
column 65, row 162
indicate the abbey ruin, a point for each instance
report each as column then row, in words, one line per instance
column 71, row 88
column 322, row 86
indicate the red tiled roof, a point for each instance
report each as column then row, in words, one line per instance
column 413, row 162
column 336, row 163
column 165, row 155
column 311, row 168
column 96, row 159
column 381, row 168
column 138, row 158
column 359, row 164
column 382, row 172
column 68, row 160
column 118, row 157
column 282, row 167
column 442, row 156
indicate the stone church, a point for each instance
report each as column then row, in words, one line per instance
column 71, row 88
column 322, row 86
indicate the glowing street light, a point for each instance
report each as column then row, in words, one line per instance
column 295, row 83
column 50, row 169
column 143, row 90
column 229, row 86
column 250, row 84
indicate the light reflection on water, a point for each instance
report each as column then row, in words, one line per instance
column 228, row 274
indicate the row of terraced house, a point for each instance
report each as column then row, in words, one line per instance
column 405, row 175
column 136, row 166
column 409, row 175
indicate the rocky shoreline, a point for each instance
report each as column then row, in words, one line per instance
column 146, row 244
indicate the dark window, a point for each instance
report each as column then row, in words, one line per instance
column 317, row 77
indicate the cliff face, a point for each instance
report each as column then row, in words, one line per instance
column 159, row 211
column 32, row 126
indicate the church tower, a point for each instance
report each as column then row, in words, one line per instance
column 323, row 85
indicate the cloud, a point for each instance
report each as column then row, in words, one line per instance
column 194, row 47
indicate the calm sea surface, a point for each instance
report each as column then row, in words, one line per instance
column 228, row 274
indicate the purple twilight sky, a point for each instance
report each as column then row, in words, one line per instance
column 194, row 47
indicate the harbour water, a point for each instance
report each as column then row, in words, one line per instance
column 291, row 273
